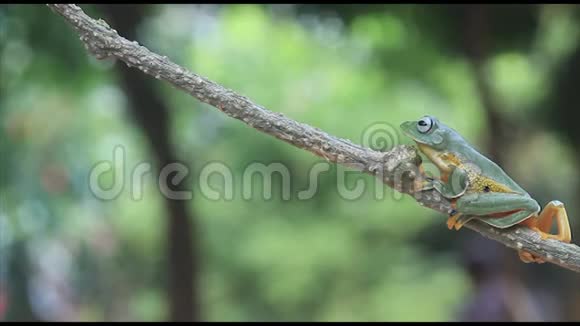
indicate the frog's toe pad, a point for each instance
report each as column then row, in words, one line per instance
column 527, row 257
column 450, row 223
column 452, row 220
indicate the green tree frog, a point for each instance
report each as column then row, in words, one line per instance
column 478, row 188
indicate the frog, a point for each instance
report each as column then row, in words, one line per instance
column 480, row 189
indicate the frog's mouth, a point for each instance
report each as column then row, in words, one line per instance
column 429, row 151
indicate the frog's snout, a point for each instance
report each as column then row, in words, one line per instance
column 406, row 126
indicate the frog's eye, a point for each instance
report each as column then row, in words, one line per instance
column 424, row 125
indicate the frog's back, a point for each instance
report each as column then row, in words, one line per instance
column 484, row 172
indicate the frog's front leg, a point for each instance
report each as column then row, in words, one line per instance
column 451, row 185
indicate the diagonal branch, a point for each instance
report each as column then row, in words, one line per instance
column 396, row 167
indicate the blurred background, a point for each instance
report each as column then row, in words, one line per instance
column 504, row 76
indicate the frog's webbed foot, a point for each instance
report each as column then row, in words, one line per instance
column 462, row 220
column 452, row 219
column 528, row 257
column 543, row 222
column 454, row 216
column 542, row 225
column 457, row 220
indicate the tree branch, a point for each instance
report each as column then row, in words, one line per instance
column 396, row 167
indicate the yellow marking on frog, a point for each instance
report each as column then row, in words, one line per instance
column 480, row 183
column 451, row 158
column 435, row 157
column 477, row 182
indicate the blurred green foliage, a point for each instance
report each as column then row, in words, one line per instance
column 325, row 258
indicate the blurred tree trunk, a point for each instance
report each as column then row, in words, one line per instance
column 151, row 113
column 476, row 46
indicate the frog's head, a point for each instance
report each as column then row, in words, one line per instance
column 428, row 131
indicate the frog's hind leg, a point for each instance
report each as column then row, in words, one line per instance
column 500, row 210
column 462, row 220
column 542, row 223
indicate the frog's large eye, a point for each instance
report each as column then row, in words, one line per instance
column 424, row 125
